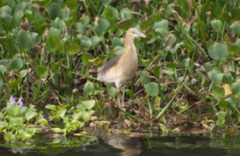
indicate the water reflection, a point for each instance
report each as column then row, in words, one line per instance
column 128, row 146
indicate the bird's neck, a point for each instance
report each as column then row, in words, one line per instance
column 129, row 46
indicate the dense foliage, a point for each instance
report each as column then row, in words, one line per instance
column 51, row 50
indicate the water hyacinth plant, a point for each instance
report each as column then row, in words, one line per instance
column 51, row 51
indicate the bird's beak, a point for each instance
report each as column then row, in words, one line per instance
column 139, row 34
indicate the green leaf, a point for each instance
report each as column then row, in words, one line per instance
column 95, row 40
column 30, row 114
column 236, row 88
column 112, row 91
column 23, row 73
column 218, row 51
column 117, row 42
column 103, row 26
column 54, row 10
column 61, row 113
column 186, row 62
column 52, row 43
column 217, row 25
column 106, row 2
column 86, row 43
column 144, row 76
column 16, row 64
column 218, row 92
column 25, row 40
column 13, row 110
column 152, row 89
column 71, row 47
column 59, row 23
column 161, row 27
column 125, row 14
column 216, row 76
column 221, row 118
column 85, row 59
column 235, row 27
column 111, row 13
column 89, row 104
column 9, row 136
column 55, row 32
column 13, row 83
column 3, row 125
column 51, row 107
column 3, row 69
column 89, row 88
column 80, row 28
column 41, row 72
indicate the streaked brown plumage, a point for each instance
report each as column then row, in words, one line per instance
column 124, row 66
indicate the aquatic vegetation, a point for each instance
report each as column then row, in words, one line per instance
column 51, row 51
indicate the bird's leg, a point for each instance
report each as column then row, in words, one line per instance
column 120, row 99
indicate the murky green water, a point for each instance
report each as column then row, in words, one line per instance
column 221, row 145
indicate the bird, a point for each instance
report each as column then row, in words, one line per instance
column 123, row 66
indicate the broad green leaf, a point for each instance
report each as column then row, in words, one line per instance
column 102, row 26
column 61, row 113
column 117, row 42
column 144, row 76
column 52, row 43
column 161, row 27
column 59, row 24
column 54, row 10
column 152, row 89
column 112, row 91
column 235, row 27
column 111, row 13
column 13, row 83
column 88, row 104
column 89, row 88
column 218, row 51
column 3, row 61
column 30, row 114
column 13, row 110
column 16, row 64
column 23, row 73
column 80, row 28
column 236, row 88
column 85, row 59
column 106, row 2
column 125, row 14
column 218, row 92
column 71, row 47
column 95, row 40
column 6, row 12
column 55, row 32
column 216, row 76
column 41, row 72
column 3, row 69
column 217, row 25
column 25, row 40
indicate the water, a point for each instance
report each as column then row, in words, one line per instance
column 221, row 145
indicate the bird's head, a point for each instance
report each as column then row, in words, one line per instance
column 135, row 33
